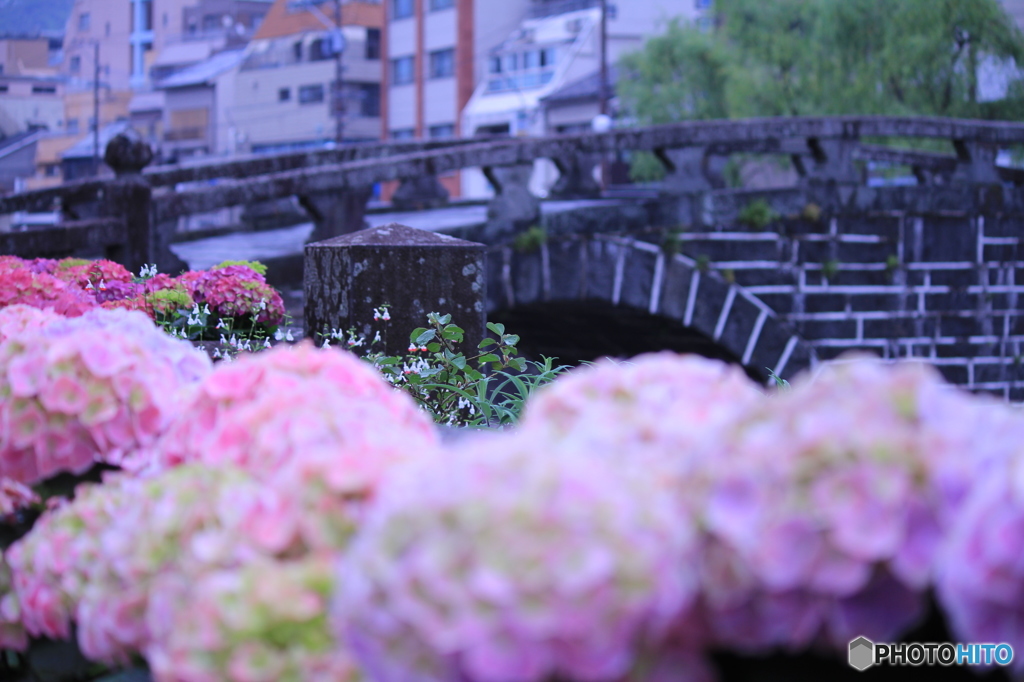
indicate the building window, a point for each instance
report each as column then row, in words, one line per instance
column 369, row 99
column 147, row 15
column 402, row 9
column 547, row 56
column 284, row 94
column 51, row 170
column 442, row 64
column 402, row 71
column 403, row 134
column 320, row 50
column 44, row 89
column 311, row 94
column 83, row 21
column 441, row 4
column 3, row 88
column 442, row 131
column 73, row 126
column 494, row 65
column 76, row 64
column 297, row 51
column 373, row 43
column 511, row 62
column 211, row 22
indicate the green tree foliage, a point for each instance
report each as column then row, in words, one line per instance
column 822, row 57
column 29, row 17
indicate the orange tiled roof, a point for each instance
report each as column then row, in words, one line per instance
column 279, row 22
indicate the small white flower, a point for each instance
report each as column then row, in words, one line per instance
column 234, row 340
column 221, row 324
column 206, row 309
column 279, row 335
column 386, row 316
column 288, row 336
column 266, row 342
column 89, row 286
column 327, row 343
column 222, row 339
column 376, row 338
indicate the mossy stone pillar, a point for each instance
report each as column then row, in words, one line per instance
column 414, row 271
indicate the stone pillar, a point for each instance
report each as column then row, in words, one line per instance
column 514, row 208
column 337, row 213
column 686, row 182
column 419, row 193
column 414, row 271
column 576, row 180
column 128, row 197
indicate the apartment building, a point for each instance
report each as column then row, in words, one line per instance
column 31, row 90
column 285, row 92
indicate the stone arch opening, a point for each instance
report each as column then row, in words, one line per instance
column 635, row 298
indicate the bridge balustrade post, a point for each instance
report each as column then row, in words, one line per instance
column 337, row 213
column 686, row 180
column 414, row 271
column 419, row 193
column 514, row 207
column 833, row 160
column 129, row 197
column 576, row 177
column 976, row 163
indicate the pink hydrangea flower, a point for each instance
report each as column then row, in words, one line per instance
column 660, row 406
column 268, row 409
column 513, row 562
column 266, row 620
column 824, row 507
column 235, row 291
column 92, row 388
column 19, row 318
column 980, row 571
column 12, row 631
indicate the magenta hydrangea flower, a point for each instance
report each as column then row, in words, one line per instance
column 87, row 389
column 236, row 291
column 20, row 285
column 825, row 506
column 12, row 631
column 506, row 561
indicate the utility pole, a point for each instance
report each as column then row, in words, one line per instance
column 338, row 44
column 603, row 89
column 96, row 107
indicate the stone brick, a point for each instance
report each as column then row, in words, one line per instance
column 893, row 328
column 827, row 329
column 1001, row 253
column 675, row 289
column 817, row 251
column 756, row 277
column 566, row 268
column 739, row 325
column 1006, row 225
column 955, row 278
column 847, row 252
column 637, row 278
column 943, row 238
column 526, row 277
column 874, row 302
column 954, row 374
column 601, row 256
column 886, row 227
column 862, row 278
column 708, row 305
column 988, row 372
column 718, row 250
column 960, row 349
column 824, row 303
column 782, row 304
column 954, row 325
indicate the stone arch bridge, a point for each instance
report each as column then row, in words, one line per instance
column 773, row 278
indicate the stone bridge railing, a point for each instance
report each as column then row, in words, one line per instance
column 133, row 217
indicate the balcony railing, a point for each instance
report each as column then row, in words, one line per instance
column 550, row 8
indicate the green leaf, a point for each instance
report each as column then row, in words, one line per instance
column 424, row 337
column 434, row 347
column 510, row 339
column 459, row 361
column 498, row 329
column 518, row 363
column 416, row 333
column 487, row 342
column 490, row 357
column 444, row 319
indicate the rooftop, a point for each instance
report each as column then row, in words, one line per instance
column 203, row 72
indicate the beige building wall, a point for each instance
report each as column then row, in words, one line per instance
column 28, row 57
column 30, row 102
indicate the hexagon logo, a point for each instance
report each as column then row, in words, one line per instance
column 862, row 653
